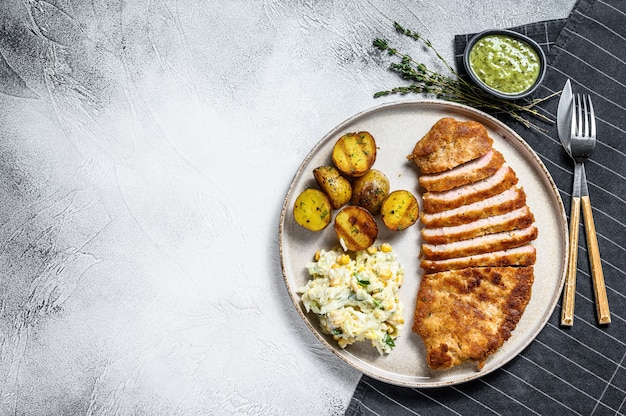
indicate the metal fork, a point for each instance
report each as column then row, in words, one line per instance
column 583, row 142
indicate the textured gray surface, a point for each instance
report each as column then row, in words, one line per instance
column 145, row 150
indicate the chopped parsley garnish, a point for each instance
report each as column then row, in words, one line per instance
column 389, row 341
column 362, row 282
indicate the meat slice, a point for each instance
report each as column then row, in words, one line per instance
column 468, row 314
column 450, row 143
column 478, row 245
column 525, row 255
column 503, row 179
column 499, row 204
column 512, row 220
column 464, row 174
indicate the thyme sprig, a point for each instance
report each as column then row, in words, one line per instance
column 451, row 87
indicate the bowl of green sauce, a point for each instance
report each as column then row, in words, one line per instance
column 504, row 63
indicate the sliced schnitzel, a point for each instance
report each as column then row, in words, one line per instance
column 510, row 199
column 503, row 179
column 525, row 255
column 512, row 220
column 476, row 250
column 469, row 172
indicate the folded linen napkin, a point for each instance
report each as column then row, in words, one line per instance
column 580, row 370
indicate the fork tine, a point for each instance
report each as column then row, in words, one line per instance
column 592, row 119
column 579, row 116
column 583, row 100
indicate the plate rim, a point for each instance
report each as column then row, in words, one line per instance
column 509, row 137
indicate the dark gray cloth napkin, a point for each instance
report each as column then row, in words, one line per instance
column 579, row 370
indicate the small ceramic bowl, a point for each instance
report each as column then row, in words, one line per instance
column 516, row 36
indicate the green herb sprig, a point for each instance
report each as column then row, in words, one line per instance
column 451, row 87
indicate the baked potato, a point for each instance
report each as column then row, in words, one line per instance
column 370, row 190
column 356, row 228
column 400, row 210
column 312, row 209
column 336, row 187
column 354, row 153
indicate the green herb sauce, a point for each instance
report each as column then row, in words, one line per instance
column 504, row 63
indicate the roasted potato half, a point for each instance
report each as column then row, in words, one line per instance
column 400, row 210
column 354, row 153
column 312, row 209
column 370, row 190
column 336, row 187
column 356, row 228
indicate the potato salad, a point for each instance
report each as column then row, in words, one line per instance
column 356, row 297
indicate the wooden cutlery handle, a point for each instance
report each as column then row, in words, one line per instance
column 569, row 292
column 597, row 276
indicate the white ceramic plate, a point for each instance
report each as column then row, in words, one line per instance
column 396, row 128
